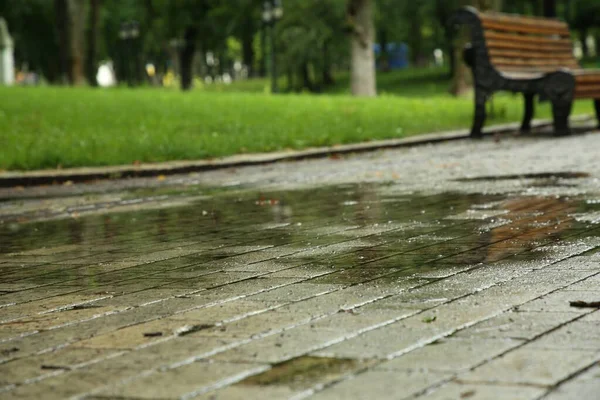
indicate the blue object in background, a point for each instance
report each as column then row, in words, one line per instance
column 397, row 53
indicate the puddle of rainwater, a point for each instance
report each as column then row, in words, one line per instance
column 305, row 371
column 229, row 223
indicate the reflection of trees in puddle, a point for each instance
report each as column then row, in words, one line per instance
column 532, row 220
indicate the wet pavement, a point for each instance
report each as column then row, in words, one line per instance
column 436, row 272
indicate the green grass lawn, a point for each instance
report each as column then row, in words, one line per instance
column 46, row 127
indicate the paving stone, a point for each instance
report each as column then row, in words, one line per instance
column 24, row 369
column 450, row 355
column 455, row 391
column 382, row 342
column 382, row 385
column 575, row 335
column 12, row 298
column 517, row 325
column 590, row 284
column 583, row 386
column 49, row 305
column 559, row 301
column 229, row 311
column 245, row 392
column 53, row 320
column 183, row 381
column 163, row 353
column 592, row 317
column 63, row 385
column 295, row 292
column 529, row 365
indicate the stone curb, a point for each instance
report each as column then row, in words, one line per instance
column 57, row 176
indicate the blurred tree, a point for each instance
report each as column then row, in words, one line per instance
column 70, row 25
column 311, row 40
column 585, row 16
column 391, row 19
column 359, row 15
column 63, row 27
column 77, row 10
column 31, row 24
column 91, row 58
column 442, row 12
column 63, row 39
column 549, row 7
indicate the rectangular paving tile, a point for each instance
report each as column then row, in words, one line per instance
column 584, row 335
column 583, row 386
column 183, row 381
column 450, row 355
column 531, row 365
column 517, row 325
column 382, row 385
column 456, row 391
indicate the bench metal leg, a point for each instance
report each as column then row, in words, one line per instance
column 480, row 113
column 529, row 111
column 597, row 107
column 561, row 109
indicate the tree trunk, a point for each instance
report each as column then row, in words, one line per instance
column 262, row 71
column 451, row 56
column 305, row 74
column 327, row 75
column 247, row 45
column 187, row 58
column 360, row 18
column 415, row 38
column 90, row 62
column 290, row 80
column 550, row 8
column 248, row 55
column 63, row 27
column 384, row 62
column 462, row 83
column 77, row 11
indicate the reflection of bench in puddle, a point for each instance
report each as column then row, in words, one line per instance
column 533, row 221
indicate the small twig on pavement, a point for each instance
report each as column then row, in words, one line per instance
column 585, row 304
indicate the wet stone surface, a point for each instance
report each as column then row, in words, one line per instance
column 439, row 272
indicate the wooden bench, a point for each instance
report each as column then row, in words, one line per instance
column 528, row 55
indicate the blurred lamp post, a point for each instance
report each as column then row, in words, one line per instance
column 272, row 12
column 128, row 33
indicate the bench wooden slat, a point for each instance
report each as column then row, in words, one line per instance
column 538, row 40
column 593, row 87
column 554, row 47
column 587, row 95
column 586, row 78
column 534, row 63
column 522, row 54
column 519, row 23
column 524, row 20
column 525, row 28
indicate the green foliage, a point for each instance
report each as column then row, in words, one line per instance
column 31, row 23
column 312, row 37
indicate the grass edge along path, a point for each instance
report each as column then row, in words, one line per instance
column 50, row 127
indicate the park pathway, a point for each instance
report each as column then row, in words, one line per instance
column 449, row 271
